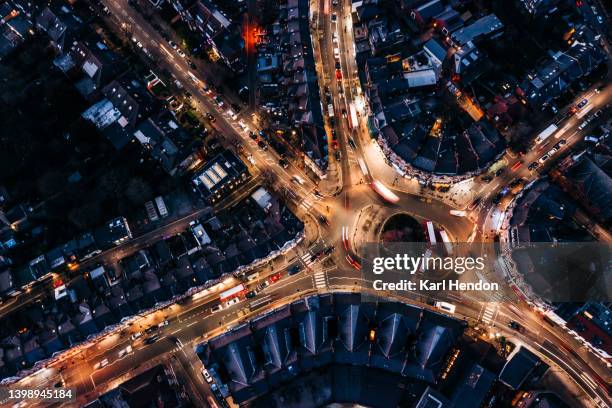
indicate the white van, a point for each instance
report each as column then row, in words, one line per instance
column 447, row 307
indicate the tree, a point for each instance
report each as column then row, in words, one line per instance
column 138, row 191
column 86, row 216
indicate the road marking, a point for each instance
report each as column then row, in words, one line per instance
column 166, row 51
column 320, row 280
column 306, row 205
column 489, row 313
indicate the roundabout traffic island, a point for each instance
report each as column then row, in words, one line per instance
column 401, row 227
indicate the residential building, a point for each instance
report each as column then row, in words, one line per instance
column 220, row 176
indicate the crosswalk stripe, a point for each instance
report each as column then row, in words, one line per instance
column 320, row 279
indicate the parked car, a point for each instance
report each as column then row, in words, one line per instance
column 207, row 376
column 533, row 166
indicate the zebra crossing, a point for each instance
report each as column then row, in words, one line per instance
column 320, row 280
column 306, row 205
column 307, row 259
column 489, row 313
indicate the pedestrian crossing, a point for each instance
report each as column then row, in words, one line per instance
column 489, row 313
column 320, row 280
column 307, row 259
column 306, row 205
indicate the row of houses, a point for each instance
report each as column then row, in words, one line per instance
column 410, row 356
column 123, row 108
column 16, row 279
column 221, row 35
column 413, row 79
column 288, row 87
column 213, row 245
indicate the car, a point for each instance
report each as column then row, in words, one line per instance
column 329, row 250
column 338, row 74
column 136, row 335
column 544, row 158
column 297, row 179
column 207, row 376
column 338, row 155
column 262, row 145
column 447, row 307
column 251, row 294
column 561, row 142
column 101, row 364
column 206, row 89
column 151, row 329
column 335, row 144
column 334, row 17
column 210, row 117
column 583, row 125
column 219, row 101
column 323, row 220
column 251, row 159
column 232, row 302
column 172, row 44
column 351, row 143
column 533, row 166
column 552, row 151
column 163, row 324
column 232, row 114
column 591, row 139
column 124, row 352
column 487, row 178
column 283, row 163
column 263, row 285
column 275, row 278
column 243, row 125
column 334, row 134
column 334, row 2
column 294, row 269
column 582, row 103
column 152, row 339
column 498, row 172
column 216, row 308
column 338, row 66
column 515, row 326
column 191, row 64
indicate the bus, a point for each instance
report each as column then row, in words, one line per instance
column 352, row 118
column 431, row 232
column 385, row 192
column 362, row 166
column 232, row 292
column 448, row 245
column 545, row 134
